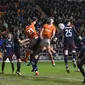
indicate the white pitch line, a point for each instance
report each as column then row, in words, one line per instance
column 51, row 77
column 60, row 78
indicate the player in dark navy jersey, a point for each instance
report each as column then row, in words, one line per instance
column 81, row 58
column 69, row 32
column 17, row 43
column 34, row 45
column 8, row 51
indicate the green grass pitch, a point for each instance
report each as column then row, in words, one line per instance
column 48, row 75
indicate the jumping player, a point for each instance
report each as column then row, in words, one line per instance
column 69, row 32
column 34, row 44
column 47, row 33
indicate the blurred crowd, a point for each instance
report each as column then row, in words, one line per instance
column 65, row 9
column 17, row 13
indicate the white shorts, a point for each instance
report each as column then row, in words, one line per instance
column 45, row 42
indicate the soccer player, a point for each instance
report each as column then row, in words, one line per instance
column 31, row 24
column 17, row 46
column 69, row 32
column 34, row 44
column 8, row 51
column 47, row 33
column 81, row 59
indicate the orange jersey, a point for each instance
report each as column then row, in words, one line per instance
column 48, row 30
column 30, row 31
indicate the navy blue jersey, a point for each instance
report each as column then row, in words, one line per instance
column 9, row 45
column 69, row 34
column 1, row 42
column 16, row 42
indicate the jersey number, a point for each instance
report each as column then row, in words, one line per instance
column 30, row 31
column 68, row 33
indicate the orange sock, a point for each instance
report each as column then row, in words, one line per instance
column 27, row 55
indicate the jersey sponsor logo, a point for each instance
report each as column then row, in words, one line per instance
column 48, row 30
column 8, row 45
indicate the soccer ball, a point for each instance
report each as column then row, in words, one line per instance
column 61, row 26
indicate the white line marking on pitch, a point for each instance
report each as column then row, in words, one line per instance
column 59, row 78
column 74, row 79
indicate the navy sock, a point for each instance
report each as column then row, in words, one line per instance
column 74, row 56
column 18, row 66
column 12, row 65
column 66, row 60
column 3, row 65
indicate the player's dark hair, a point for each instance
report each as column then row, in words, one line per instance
column 67, row 20
column 34, row 18
column 48, row 21
column 28, row 22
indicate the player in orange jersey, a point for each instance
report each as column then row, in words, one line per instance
column 34, row 44
column 47, row 33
